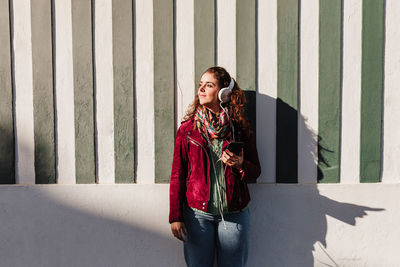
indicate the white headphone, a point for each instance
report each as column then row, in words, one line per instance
column 225, row 93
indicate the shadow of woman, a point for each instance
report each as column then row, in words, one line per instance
column 289, row 219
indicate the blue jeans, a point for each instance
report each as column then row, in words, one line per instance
column 207, row 233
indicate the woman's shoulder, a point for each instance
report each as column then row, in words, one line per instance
column 186, row 125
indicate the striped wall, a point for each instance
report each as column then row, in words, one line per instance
column 93, row 91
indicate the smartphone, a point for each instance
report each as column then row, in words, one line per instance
column 235, row 147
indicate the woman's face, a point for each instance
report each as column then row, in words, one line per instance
column 208, row 91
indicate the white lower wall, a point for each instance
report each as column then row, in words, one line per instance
column 127, row 225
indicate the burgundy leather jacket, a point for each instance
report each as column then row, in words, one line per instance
column 190, row 179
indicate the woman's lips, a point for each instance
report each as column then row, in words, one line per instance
column 201, row 95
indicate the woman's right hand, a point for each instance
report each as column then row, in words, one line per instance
column 179, row 230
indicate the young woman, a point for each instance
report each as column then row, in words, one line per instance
column 208, row 189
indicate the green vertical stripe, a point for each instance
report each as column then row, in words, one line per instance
column 246, row 53
column 329, row 90
column 204, row 37
column 83, row 90
column 286, row 108
column 163, row 87
column 371, row 89
column 123, row 91
column 43, row 98
column 7, row 169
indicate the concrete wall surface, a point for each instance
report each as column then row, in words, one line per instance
column 127, row 225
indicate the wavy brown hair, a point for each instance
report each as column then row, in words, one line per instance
column 236, row 105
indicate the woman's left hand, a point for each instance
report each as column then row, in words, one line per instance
column 231, row 159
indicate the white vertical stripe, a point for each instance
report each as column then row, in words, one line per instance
column 267, row 89
column 64, row 92
column 22, row 49
column 226, row 35
column 391, row 144
column 308, row 108
column 104, row 91
column 184, row 56
column 351, row 92
column 145, row 91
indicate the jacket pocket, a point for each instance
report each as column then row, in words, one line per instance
column 195, row 149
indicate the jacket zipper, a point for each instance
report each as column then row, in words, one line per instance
column 208, row 165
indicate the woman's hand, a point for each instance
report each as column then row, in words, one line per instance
column 231, row 159
column 179, row 230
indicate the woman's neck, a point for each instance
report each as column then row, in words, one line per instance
column 213, row 108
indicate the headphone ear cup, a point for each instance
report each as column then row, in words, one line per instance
column 224, row 95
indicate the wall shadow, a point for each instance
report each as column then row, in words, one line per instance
column 291, row 218
column 79, row 225
column 288, row 220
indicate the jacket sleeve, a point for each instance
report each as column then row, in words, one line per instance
column 177, row 186
column 251, row 168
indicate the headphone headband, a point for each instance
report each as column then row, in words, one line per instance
column 231, row 84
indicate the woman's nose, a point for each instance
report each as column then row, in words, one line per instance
column 201, row 88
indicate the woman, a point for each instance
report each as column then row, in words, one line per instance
column 208, row 190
